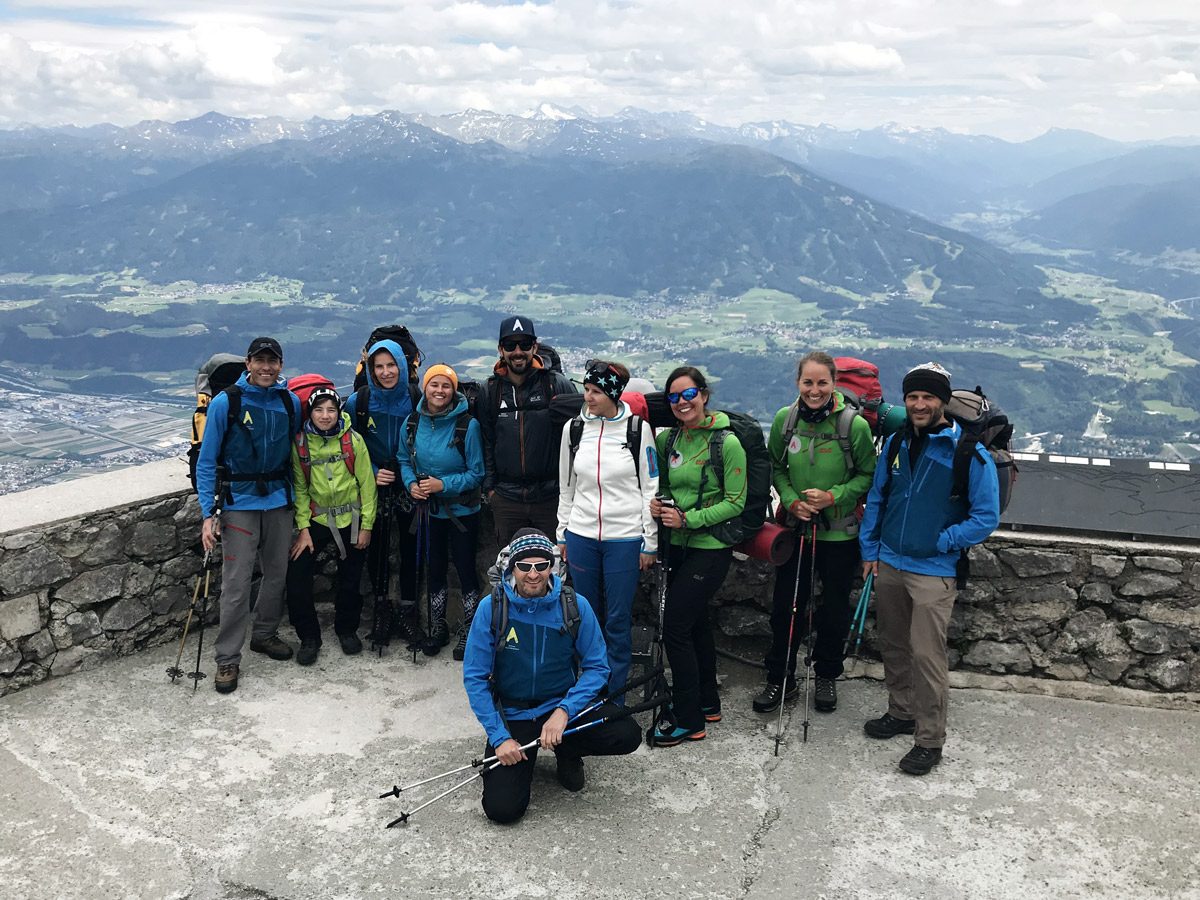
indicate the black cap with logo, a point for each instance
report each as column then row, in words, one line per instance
column 265, row 345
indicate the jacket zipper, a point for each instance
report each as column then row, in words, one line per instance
column 599, row 486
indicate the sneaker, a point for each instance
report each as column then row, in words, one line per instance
column 351, row 643
column 438, row 637
column 226, row 680
column 711, row 713
column 272, row 646
column 888, row 726
column 769, row 699
column 919, row 760
column 570, row 770
column 667, row 736
column 460, row 649
column 407, row 627
column 826, row 695
column 307, row 654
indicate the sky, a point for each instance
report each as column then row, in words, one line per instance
column 1011, row 68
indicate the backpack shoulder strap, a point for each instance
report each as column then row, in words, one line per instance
column 233, row 416
column 845, row 422
column 574, row 437
column 499, row 616
column 890, row 454
column 966, row 448
column 347, row 450
column 716, row 456
column 300, row 439
column 669, row 450
column 633, row 443
column 461, row 424
column 789, row 428
column 570, row 611
column 411, row 423
column 362, row 408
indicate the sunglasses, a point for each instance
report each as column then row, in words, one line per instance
column 686, row 394
column 523, row 566
column 517, row 344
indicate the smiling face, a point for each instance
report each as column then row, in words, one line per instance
column 815, row 384
column 598, row 402
column 532, row 583
column 263, row 369
column 439, row 390
column 924, row 409
column 385, row 370
column 690, row 413
column 324, row 415
column 517, row 353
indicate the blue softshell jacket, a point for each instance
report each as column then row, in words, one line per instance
column 436, row 455
column 918, row 527
column 387, row 409
column 260, row 442
column 535, row 666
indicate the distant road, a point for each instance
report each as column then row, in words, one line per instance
column 1122, row 497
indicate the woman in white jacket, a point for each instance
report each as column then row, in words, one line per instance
column 608, row 474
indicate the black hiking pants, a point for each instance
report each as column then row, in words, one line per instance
column 837, row 564
column 302, row 612
column 506, row 788
column 687, row 633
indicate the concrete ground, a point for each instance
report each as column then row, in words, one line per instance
column 116, row 783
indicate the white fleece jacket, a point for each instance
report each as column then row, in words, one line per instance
column 599, row 496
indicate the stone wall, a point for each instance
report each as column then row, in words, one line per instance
column 107, row 566
column 1060, row 607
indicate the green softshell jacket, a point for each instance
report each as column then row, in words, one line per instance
column 820, row 463
column 330, row 483
column 679, row 478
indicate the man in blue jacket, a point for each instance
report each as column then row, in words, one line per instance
column 244, row 471
column 530, row 681
column 914, row 527
column 389, row 398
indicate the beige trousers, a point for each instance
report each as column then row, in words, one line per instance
column 912, row 613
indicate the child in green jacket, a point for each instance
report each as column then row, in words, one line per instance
column 691, row 500
column 332, row 477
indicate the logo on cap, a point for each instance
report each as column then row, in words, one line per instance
column 517, row 326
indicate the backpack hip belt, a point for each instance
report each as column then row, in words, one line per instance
column 332, row 512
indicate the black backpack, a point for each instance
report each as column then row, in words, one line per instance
column 550, row 358
column 219, row 371
column 758, row 476
column 566, row 598
column 633, row 442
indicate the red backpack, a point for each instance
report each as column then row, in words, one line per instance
column 858, row 383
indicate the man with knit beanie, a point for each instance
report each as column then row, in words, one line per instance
column 912, row 532
column 536, row 658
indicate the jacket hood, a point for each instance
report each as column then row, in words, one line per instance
column 547, row 600
column 244, row 383
column 401, row 360
column 457, row 407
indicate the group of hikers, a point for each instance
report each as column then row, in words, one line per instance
column 582, row 504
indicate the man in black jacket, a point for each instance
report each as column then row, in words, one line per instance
column 520, row 434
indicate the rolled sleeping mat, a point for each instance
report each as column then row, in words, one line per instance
column 772, row 543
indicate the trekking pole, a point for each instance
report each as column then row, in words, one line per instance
column 664, row 580
column 859, row 623
column 787, row 658
column 197, row 675
column 422, row 520
column 617, row 716
column 381, row 617
column 808, row 641
column 397, row 790
column 174, row 671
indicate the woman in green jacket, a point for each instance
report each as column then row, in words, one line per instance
column 334, row 485
column 691, row 500
column 819, row 478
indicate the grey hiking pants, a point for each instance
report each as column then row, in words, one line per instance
column 912, row 613
column 247, row 535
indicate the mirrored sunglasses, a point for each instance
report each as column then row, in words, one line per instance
column 687, row 394
column 526, row 566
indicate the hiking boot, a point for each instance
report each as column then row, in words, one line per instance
column 769, row 699
column 226, row 680
column 570, row 770
column 919, row 760
column 460, row 649
column 272, row 646
column 825, row 698
column 407, row 627
column 438, row 637
column 888, row 726
column 351, row 643
column 667, row 735
column 307, row 654
column 711, row 713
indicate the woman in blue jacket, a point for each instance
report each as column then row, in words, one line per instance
column 441, row 464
